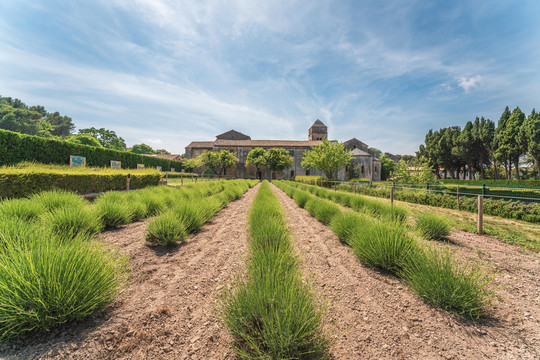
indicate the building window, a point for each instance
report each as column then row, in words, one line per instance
column 307, row 172
column 375, row 170
column 291, row 153
column 362, row 169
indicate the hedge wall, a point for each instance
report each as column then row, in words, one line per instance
column 15, row 148
column 16, row 183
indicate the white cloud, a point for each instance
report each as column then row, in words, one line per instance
column 153, row 141
column 467, row 83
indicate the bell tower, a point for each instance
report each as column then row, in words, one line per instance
column 318, row 131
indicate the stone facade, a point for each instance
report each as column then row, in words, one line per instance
column 241, row 144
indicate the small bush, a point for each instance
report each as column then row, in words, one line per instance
column 384, row 246
column 49, row 282
column 23, row 209
column 70, row 222
column 345, row 224
column 191, row 214
column 138, row 210
column 113, row 214
column 432, row 227
column 437, row 277
column 55, row 199
column 154, row 203
column 17, row 232
column 165, row 230
column 322, row 210
column 301, row 198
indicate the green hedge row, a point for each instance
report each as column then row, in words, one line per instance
column 23, row 184
column 491, row 182
column 15, row 148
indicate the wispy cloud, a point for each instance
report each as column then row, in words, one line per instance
column 468, row 83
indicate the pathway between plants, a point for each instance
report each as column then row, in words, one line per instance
column 377, row 317
column 167, row 311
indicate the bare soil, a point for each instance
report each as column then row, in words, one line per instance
column 167, row 310
column 375, row 316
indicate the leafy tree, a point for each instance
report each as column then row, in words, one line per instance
column 387, row 167
column 141, row 149
column 514, row 144
column 277, row 159
column 217, row 161
column 375, row 151
column 327, row 157
column 530, row 135
column 107, row 138
column 23, row 120
column 84, row 139
column 162, row 151
column 407, row 173
column 485, row 132
column 256, row 157
column 500, row 142
column 62, row 125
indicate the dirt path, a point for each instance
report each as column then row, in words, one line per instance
column 167, row 312
column 377, row 317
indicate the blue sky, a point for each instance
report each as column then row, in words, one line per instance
column 170, row 72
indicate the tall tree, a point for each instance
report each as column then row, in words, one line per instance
column 23, row 120
column 277, row 159
column 141, row 149
column 327, row 157
column 62, row 125
column 387, row 167
column 500, row 144
column 516, row 146
column 107, row 138
column 218, row 162
column 256, row 157
column 530, row 135
column 84, row 139
column 485, row 134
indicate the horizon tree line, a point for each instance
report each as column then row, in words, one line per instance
column 481, row 147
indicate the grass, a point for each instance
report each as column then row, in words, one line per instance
column 113, row 214
column 432, row 227
column 439, row 279
column 166, row 230
column 54, row 199
column 23, row 209
column 322, row 210
column 301, row 198
column 48, row 282
column 271, row 312
column 70, row 222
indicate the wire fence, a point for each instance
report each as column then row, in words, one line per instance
column 529, row 194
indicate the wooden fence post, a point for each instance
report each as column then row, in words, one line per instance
column 128, row 180
column 392, row 196
column 458, row 207
column 480, row 213
column 355, row 188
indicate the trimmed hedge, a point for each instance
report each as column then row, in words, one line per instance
column 15, row 148
column 16, row 183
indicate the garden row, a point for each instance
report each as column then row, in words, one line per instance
column 52, row 268
column 271, row 312
column 382, row 239
column 492, row 206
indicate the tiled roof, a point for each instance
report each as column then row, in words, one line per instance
column 166, row 156
column 318, row 123
column 358, row 152
column 267, row 143
column 201, row 144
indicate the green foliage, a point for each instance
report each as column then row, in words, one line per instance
column 216, row 161
column 26, row 179
column 69, row 222
column 113, row 213
column 432, row 227
column 328, row 157
column 322, row 210
column 383, row 245
column 301, row 198
column 141, row 149
column 23, row 209
column 84, row 139
column 107, row 138
column 165, row 230
column 47, row 282
column 15, row 148
column 54, row 199
column 271, row 312
column 387, row 167
column 256, row 157
column 346, row 224
column 421, row 173
column 277, row 159
column 437, row 277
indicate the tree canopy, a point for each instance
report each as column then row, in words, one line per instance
column 107, row 138
column 327, row 157
column 84, row 139
column 141, row 149
column 218, row 162
column 277, row 159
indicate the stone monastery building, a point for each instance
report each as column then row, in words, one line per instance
column 368, row 165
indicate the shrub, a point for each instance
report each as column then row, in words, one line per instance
column 69, row 222
column 138, row 210
column 437, row 277
column 165, row 230
column 191, row 214
column 154, row 203
column 113, row 214
column 50, row 282
column 301, row 198
column 17, row 232
column 384, row 246
column 432, row 227
column 345, row 224
column 322, row 210
column 55, row 199
column 23, row 209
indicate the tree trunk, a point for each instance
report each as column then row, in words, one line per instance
column 517, row 169
column 537, row 167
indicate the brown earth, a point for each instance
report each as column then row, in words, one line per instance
column 167, row 311
column 375, row 316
